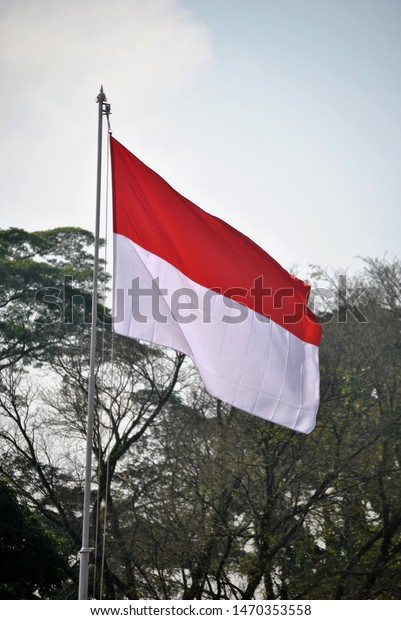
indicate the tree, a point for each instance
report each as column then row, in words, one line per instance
column 40, row 272
column 32, row 564
column 194, row 500
column 43, row 434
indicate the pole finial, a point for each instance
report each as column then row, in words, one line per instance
column 101, row 96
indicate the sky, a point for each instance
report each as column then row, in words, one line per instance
column 281, row 117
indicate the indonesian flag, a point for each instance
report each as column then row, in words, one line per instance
column 187, row 280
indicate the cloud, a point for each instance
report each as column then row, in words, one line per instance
column 53, row 57
column 156, row 43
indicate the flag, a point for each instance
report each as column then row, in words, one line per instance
column 188, row 280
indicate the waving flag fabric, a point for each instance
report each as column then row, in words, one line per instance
column 187, row 280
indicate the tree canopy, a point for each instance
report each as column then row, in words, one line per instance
column 191, row 498
column 32, row 564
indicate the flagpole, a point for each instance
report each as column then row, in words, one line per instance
column 85, row 549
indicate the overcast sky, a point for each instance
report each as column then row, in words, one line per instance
column 280, row 116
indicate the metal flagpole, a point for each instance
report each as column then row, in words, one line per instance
column 85, row 550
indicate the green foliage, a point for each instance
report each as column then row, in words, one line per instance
column 32, row 565
column 39, row 274
column 196, row 500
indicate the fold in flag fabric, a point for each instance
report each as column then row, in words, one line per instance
column 187, row 280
